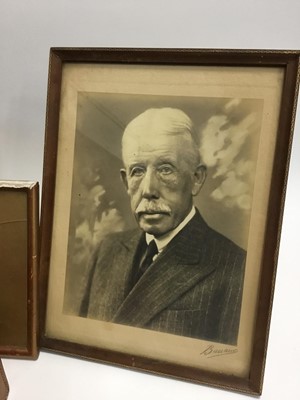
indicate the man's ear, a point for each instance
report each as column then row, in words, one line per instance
column 124, row 177
column 199, row 178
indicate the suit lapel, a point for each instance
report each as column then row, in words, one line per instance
column 179, row 267
column 122, row 268
column 110, row 278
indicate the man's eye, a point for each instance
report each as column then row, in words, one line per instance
column 165, row 170
column 137, row 171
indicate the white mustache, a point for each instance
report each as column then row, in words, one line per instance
column 146, row 206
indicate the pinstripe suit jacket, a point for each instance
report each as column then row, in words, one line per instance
column 193, row 288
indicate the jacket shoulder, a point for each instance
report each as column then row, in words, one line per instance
column 214, row 241
column 225, row 243
column 124, row 238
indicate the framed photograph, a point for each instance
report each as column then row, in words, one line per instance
column 19, row 222
column 163, row 192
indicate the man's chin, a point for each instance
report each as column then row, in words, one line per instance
column 154, row 224
column 155, row 230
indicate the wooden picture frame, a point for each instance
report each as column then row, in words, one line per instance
column 242, row 104
column 19, row 225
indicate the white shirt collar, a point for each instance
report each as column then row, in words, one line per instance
column 164, row 240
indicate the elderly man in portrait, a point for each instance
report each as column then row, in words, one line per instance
column 174, row 273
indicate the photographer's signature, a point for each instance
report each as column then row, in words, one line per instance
column 213, row 351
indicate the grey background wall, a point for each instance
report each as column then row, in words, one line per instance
column 27, row 31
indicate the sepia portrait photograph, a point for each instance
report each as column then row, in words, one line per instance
column 157, row 193
column 159, row 218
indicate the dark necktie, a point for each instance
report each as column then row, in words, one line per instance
column 147, row 260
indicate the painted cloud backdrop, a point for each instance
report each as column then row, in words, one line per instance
column 221, row 143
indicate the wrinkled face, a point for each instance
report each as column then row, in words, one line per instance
column 160, row 180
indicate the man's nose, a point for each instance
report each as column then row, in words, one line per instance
column 150, row 185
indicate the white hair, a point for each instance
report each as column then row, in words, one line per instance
column 169, row 121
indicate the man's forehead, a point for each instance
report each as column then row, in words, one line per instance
column 161, row 144
column 157, row 156
column 163, row 149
